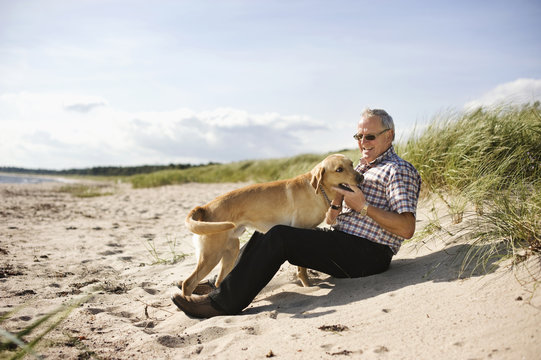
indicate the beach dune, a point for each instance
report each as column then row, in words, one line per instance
column 128, row 247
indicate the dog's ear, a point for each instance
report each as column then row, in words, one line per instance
column 317, row 176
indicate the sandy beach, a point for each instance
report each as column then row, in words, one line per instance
column 129, row 247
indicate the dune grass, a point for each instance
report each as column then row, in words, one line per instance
column 241, row 171
column 172, row 256
column 488, row 160
column 26, row 341
column 86, row 191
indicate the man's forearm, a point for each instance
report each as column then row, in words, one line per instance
column 402, row 225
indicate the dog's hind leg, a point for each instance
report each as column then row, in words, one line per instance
column 302, row 274
column 206, row 261
column 228, row 260
column 203, row 269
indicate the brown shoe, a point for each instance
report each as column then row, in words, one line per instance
column 203, row 288
column 198, row 306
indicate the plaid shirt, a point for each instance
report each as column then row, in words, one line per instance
column 390, row 183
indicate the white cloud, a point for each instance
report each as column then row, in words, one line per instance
column 64, row 131
column 520, row 91
column 223, row 134
column 84, row 107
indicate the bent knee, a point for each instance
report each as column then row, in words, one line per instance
column 279, row 229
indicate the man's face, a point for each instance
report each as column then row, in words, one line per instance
column 371, row 149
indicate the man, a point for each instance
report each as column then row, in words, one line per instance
column 367, row 231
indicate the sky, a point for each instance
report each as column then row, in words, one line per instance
column 124, row 83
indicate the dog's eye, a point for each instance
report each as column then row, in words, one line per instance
column 340, row 169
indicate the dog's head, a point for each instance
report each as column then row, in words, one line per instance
column 335, row 170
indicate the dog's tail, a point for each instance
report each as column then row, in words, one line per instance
column 195, row 221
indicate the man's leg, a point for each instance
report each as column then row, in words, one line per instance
column 332, row 252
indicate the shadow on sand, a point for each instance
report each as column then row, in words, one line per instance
column 445, row 265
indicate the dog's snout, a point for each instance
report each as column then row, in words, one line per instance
column 359, row 178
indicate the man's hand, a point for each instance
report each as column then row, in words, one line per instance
column 354, row 199
column 399, row 224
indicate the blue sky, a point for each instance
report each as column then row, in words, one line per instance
column 96, row 83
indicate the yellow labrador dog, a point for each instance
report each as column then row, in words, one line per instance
column 301, row 202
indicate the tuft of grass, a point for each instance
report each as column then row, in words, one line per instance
column 514, row 220
column 17, row 345
column 157, row 257
column 85, row 191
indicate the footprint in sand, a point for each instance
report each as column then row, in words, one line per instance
column 148, row 287
column 207, row 335
column 381, row 349
column 111, row 252
column 95, row 311
column 146, row 325
column 250, row 330
column 25, row 292
column 114, row 245
column 151, row 291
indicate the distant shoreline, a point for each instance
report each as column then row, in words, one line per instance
column 7, row 178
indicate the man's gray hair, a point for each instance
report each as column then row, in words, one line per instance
column 386, row 119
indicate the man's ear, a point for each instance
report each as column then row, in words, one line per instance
column 317, row 177
column 391, row 135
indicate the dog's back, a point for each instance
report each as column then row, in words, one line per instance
column 260, row 206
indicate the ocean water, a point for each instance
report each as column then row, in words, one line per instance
column 25, row 179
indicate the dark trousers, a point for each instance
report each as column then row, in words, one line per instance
column 332, row 252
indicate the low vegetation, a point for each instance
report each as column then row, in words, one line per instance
column 86, row 191
column 242, row 171
column 488, row 161
column 172, row 256
column 24, row 342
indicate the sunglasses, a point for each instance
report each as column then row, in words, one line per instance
column 368, row 137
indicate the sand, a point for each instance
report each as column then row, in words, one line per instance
column 56, row 248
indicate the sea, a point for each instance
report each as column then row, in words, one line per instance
column 26, row 179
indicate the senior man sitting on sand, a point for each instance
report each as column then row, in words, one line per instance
column 367, row 231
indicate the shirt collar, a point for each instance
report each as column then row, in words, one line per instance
column 386, row 154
